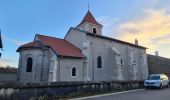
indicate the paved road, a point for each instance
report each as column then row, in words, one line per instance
column 150, row 94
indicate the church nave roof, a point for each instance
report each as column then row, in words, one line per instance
column 60, row 46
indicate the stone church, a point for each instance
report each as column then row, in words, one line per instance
column 83, row 55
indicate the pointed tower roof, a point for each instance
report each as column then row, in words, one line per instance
column 89, row 18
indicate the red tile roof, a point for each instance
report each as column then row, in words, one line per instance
column 89, row 18
column 60, row 46
column 32, row 44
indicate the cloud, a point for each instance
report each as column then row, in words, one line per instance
column 16, row 42
column 5, row 62
column 164, row 40
column 152, row 30
column 108, row 23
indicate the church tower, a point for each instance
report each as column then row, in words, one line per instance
column 90, row 24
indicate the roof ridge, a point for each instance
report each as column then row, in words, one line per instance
column 29, row 43
column 55, row 38
column 48, row 36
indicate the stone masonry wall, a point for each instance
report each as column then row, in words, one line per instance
column 158, row 65
column 26, row 91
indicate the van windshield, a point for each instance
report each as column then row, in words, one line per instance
column 153, row 77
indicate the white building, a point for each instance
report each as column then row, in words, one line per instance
column 83, row 55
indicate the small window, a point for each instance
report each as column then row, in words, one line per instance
column 99, row 62
column 29, row 64
column 94, row 30
column 74, row 71
column 121, row 61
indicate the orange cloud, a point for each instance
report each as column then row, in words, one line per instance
column 152, row 30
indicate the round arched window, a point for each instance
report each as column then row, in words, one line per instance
column 94, row 30
column 29, row 64
column 74, row 71
column 99, row 62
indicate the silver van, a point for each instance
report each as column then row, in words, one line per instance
column 157, row 80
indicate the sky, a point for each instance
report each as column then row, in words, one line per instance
column 127, row 20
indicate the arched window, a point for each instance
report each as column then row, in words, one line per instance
column 99, row 62
column 29, row 64
column 121, row 61
column 74, row 71
column 94, row 30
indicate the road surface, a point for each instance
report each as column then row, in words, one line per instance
column 150, row 94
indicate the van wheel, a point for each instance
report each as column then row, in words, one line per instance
column 168, row 86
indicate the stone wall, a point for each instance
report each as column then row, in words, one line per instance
column 158, row 65
column 66, row 65
column 40, row 65
column 94, row 46
column 25, row 91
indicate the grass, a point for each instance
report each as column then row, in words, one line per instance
column 79, row 95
